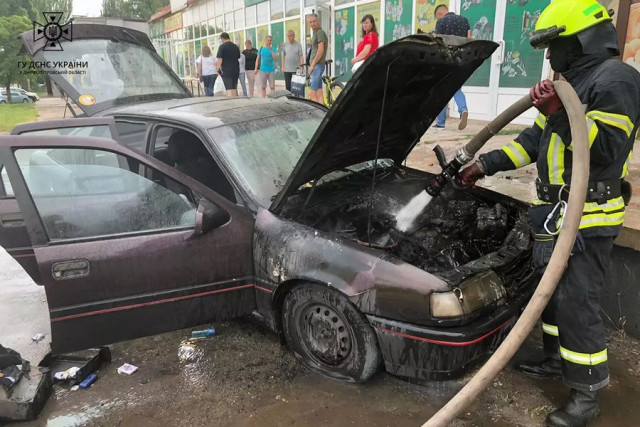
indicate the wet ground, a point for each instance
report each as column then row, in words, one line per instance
column 245, row 377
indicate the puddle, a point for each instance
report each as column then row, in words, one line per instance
column 82, row 416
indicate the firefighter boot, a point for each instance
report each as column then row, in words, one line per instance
column 581, row 408
column 548, row 368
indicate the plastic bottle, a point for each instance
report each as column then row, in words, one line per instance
column 205, row 333
column 91, row 378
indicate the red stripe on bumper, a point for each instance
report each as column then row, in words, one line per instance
column 449, row 343
column 24, row 255
column 162, row 301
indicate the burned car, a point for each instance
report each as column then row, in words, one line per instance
column 156, row 211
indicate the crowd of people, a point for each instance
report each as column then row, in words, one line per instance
column 250, row 65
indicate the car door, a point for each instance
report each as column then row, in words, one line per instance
column 120, row 255
column 13, row 233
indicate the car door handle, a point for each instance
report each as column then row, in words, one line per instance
column 72, row 269
column 12, row 220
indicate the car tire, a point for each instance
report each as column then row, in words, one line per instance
column 314, row 319
column 25, row 100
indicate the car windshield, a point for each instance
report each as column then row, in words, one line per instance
column 263, row 152
column 108, row 70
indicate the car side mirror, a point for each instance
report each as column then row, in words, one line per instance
column 209, row 216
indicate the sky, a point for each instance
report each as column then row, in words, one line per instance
column 87, row 7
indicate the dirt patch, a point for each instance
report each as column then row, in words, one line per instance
column 245, row 377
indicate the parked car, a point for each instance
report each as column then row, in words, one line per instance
column 32, row 95
column 16, row 97
column 159, row 211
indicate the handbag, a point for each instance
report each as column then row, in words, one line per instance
column 218, row 87
column 298, row 84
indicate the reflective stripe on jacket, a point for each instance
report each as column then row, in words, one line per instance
column 611, row 95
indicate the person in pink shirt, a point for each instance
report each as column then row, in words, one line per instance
column 369, row 42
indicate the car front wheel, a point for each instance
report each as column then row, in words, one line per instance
column 329, row 335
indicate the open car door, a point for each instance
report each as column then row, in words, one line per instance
column 13, row 233
column 122, row 255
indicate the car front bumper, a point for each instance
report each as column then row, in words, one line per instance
column 438, row 353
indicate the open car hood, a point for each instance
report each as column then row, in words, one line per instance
column 104, row 66
column 422, row 72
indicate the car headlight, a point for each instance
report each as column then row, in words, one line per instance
column 471, row 295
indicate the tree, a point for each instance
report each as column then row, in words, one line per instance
column 26, row 8
column 10, row 28
column 65, row 6
column 131, row 9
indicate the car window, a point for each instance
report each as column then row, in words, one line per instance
column 132, row 134
column 264, row 152
column 186, row 152
column 97, row 131
column 83, row 192
column 118, row 70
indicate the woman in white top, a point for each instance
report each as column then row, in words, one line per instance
column 207, row 70
column 242, row 75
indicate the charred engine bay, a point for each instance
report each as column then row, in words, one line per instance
column 459, row 233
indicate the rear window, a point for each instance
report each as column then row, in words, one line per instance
column 115, row 71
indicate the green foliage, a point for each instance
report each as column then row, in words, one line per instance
column 131, row 9
column 10, row 28
column 65, row 6
column 12, row 114
column 26, row 8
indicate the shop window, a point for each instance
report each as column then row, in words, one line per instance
column 212, row 27
column 263, row 12
column 220, row 24
column 277, row 9
column 228, row 21
column 187, row 16
column 250, row 15
column 292, row 7
column 228, row 6
column 188, row 32
column 211, row 10
column 238, row 19
column 238, row 4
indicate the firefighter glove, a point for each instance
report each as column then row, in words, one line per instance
column 468, row 176
column 545, row 99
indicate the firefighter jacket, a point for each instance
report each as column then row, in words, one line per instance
column 610, row 91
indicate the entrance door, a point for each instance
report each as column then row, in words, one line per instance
column 515, row 66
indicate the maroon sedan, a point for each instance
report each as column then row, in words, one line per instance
column 154, row 211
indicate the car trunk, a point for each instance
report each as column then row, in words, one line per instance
column 459, row 234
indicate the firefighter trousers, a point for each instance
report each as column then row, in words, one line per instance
column 571, row 324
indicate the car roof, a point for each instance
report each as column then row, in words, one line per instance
column 211, row 112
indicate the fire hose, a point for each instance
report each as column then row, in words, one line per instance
column 559, row 258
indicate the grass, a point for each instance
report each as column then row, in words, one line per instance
column 12, row 114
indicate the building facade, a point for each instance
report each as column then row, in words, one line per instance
column 180, row 30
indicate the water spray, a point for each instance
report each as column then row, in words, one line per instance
column 408, row 214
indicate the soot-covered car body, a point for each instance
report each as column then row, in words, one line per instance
column 283, row 210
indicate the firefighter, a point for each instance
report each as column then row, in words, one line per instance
column 581, row 43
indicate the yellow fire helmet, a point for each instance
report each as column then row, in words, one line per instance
column 564, row 18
